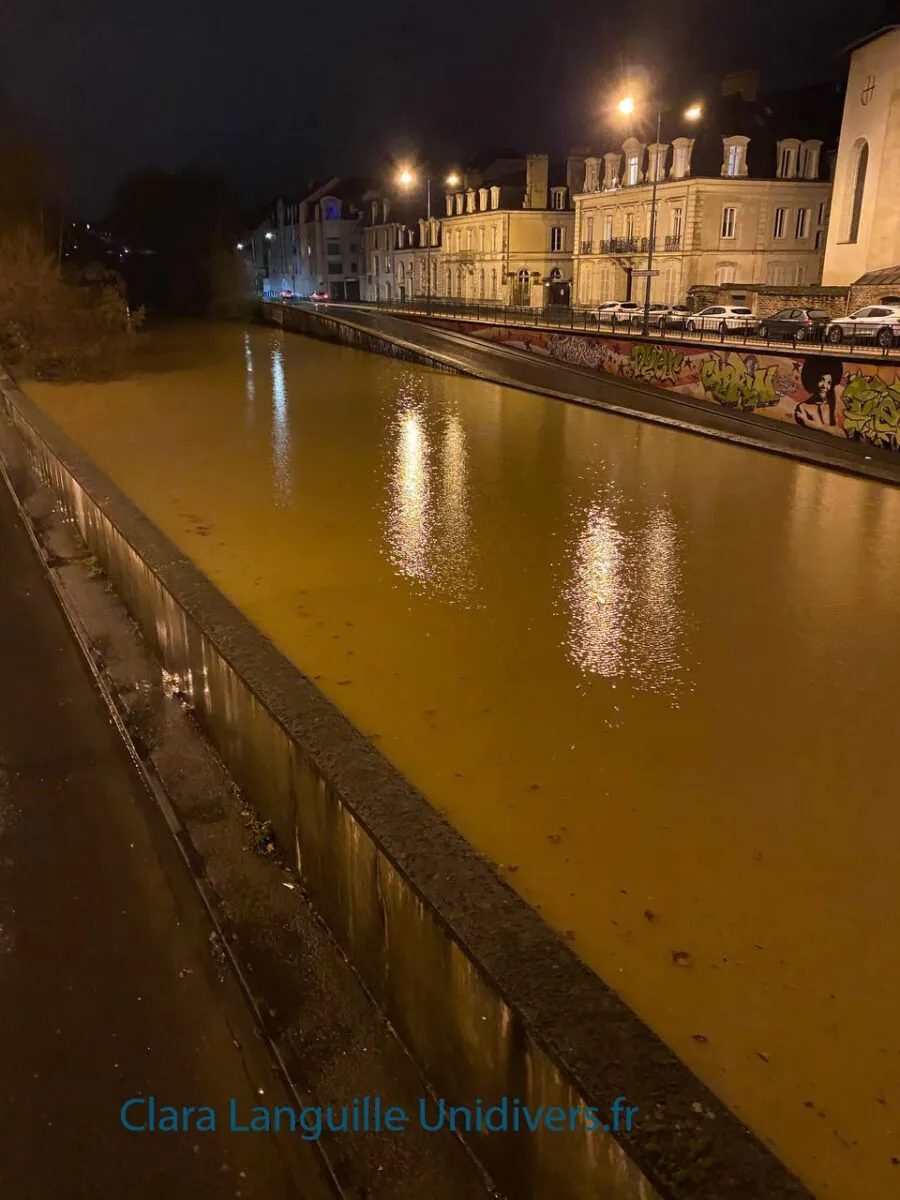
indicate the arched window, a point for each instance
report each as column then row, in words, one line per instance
column 859, row 187
column 523, row 275
column 724, row 273
column 555, row 275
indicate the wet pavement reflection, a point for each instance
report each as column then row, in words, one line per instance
column 649, row 674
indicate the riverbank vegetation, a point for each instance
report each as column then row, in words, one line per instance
column 56, row 320
column 54, row 325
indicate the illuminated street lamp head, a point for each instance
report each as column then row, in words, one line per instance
column 240, row 245
column 694, row 113
column 626, row 106
column 452, row 180
column 406, row 178
column 269, row 236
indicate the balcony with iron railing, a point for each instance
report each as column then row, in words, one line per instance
column 672, row 242
column 624, row 245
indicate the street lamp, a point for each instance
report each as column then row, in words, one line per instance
column 407, row 179
column 626, row 107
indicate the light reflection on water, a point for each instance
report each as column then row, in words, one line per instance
column 409, row 528
column 428, row 533
column 623, row 601
column 249, row 379
column 282, row 460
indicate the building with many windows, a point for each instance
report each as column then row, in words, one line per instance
column 400, row 247
column 505, row 237
column 743, row 199
column 507, row 234
column 314, row 245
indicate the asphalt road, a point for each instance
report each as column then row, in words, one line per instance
column 110, row 987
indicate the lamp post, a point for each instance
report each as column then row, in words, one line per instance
column 626, row 107
column 407, row 179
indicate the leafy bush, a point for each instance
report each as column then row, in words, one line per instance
column 53, row 327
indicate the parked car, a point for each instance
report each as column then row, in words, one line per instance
column 319, row 297
column 618, row 311
column 796, row 324
column 877, row 323
column 721, row 318
column 662, row 316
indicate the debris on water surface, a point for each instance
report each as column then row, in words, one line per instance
column 681, row 958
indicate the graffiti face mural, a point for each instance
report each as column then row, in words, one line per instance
column 860, row 401
column 820, row 377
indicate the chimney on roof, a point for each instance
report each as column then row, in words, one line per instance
column 537, row 172
column 575, row 171
column 741, row 83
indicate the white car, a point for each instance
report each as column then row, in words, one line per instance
column 619, row 312
column 875, row 323
column 664, row 316
column 721, row 318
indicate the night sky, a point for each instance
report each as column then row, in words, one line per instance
column 273, row 95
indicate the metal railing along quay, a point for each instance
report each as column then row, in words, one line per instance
column 629, row 325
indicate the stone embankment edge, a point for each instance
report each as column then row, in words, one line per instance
column 487, row 998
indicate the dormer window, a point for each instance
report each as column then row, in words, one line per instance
column 470, row 201
column 634, row 153
column 460, row 200
column 449, row 201
column 657, row 154
column 558, row 198
column 735, row 159
column 483, row 199
column 681, row 158
column 809, row 159
column 611, row 163
column 495, row 197
column 592, row 175
column 788, row 150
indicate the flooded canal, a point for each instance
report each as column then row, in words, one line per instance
column 652, row 676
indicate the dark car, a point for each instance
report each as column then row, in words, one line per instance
column 794, row 324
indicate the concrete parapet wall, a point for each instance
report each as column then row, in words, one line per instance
column 488, row 999
column 849, row 397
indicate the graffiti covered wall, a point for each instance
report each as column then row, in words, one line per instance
column 854, row 400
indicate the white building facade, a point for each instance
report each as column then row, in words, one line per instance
column 864, row 235
column 726, row 227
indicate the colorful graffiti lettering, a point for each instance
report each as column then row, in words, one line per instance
column 655, row 364
column 872, row 411
column 738, row 381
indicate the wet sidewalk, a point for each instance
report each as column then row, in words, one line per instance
column 111, row 986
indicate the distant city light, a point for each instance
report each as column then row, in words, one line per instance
column 626, row 106
column 269, row 236
column 240, row 245
column 87, row 226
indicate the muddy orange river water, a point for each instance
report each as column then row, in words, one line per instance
column 652, row 676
